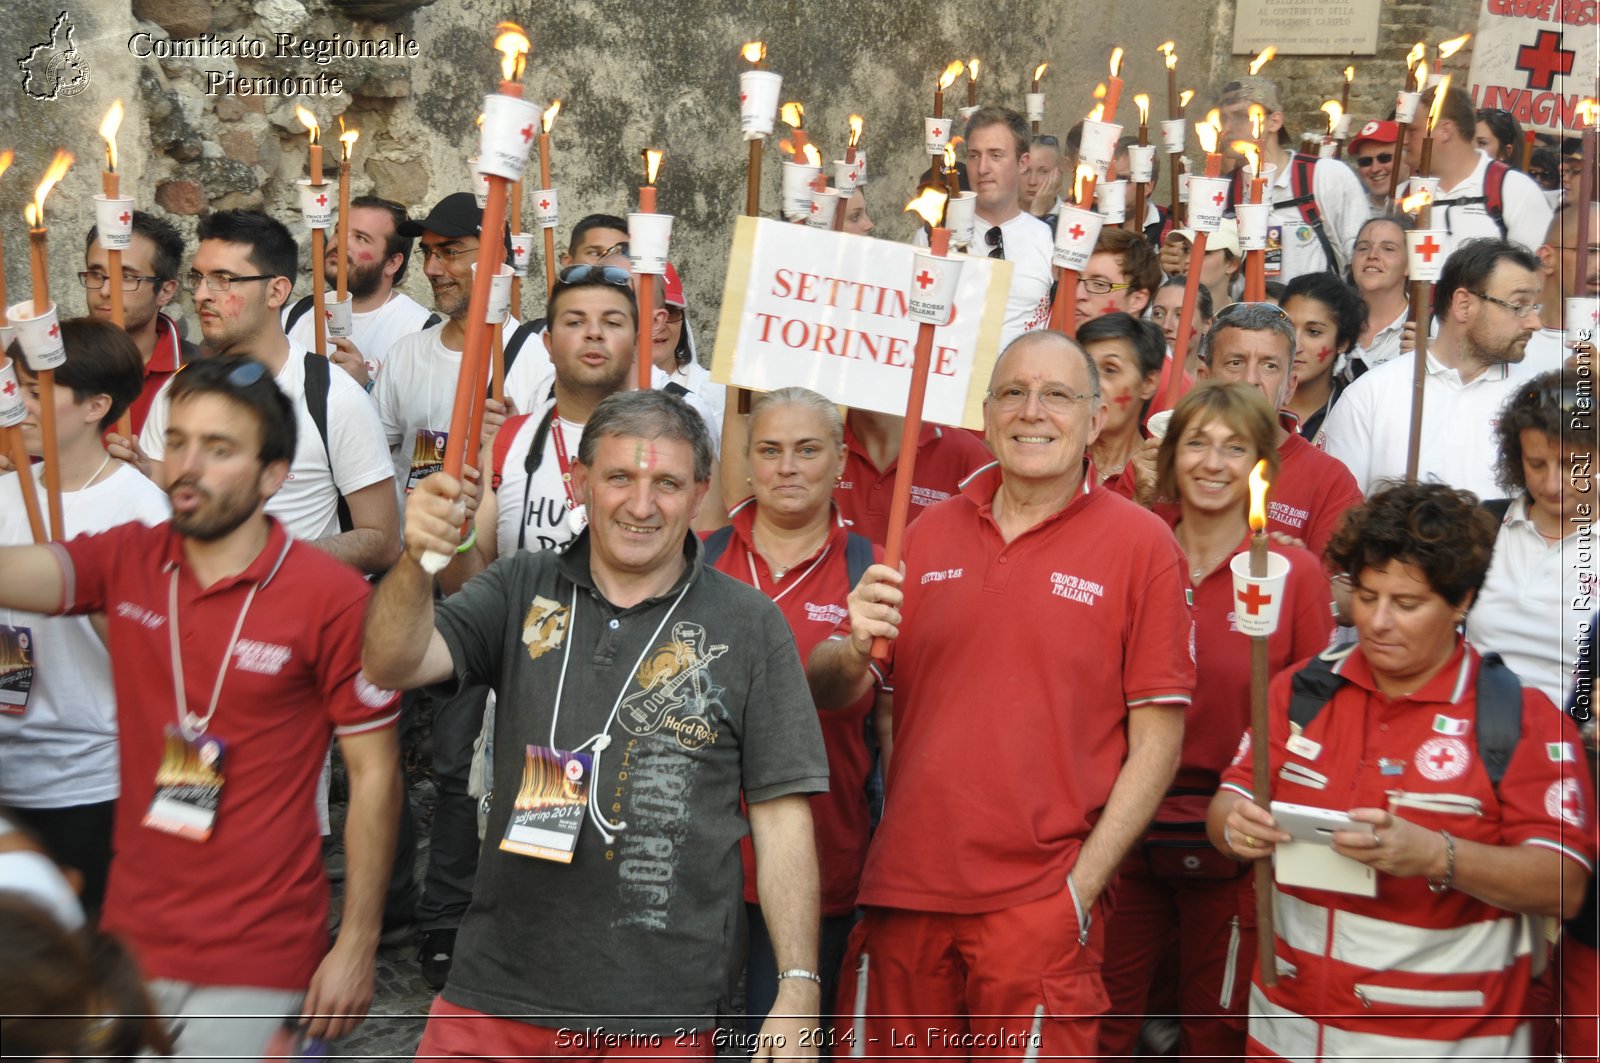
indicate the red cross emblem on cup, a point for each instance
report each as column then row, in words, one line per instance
column 10, row 388
column 124, row 217
column 925, row 280
column 1253, row 599
column 55, row 330
column 1076, row 232
column 1427, row 248
column 544, row 204
column 527, row 133
column 1219, row 198
column 322, row 200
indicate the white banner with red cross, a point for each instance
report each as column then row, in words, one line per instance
column 1536, row 59
column 831, row 312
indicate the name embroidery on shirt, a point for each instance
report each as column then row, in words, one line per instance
column 1289, row 515
column 927, row 496
column 825, row 614
column 140, row 615
column 1076, row 588
column 940, row 575
column 262, row 658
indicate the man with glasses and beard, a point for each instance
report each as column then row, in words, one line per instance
column 1487, row 304
column 379, row 313
column 235, row 654
column 240, row 279
column 997, row 155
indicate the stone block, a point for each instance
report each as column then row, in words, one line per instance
column 180, row 197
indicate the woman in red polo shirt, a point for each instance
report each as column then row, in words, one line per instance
column 1179, row 904
column 788, row 541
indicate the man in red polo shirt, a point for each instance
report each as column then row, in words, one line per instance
column 945, row 457
column 1040, row 655
column 149, row 282
column 235, row 654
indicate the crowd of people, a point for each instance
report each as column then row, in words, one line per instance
column 788, row 799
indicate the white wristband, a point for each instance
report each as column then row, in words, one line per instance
column 800, row 972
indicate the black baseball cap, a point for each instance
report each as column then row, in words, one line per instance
column 457, row 214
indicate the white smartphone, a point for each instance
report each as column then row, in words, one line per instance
column 1308, row 823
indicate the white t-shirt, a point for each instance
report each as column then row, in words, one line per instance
column 1547, row 349
column 1519, row 612
column 416, row 391
column 1027, row 243
column 1341, row 200
column 1524, row 209
column 1369, row 428
column 1385, row 345
column 374, row 333
column 307, row 503
column 534, row 512
column 61, row 750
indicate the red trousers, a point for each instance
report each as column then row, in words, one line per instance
column 927, row 985
column 1579, row 969
column 1205, row 925
column 461, row 1033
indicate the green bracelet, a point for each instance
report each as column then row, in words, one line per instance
column 467, row 543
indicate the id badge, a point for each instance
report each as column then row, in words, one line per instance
column 16, row 669
column 188, row 786
column 1274, row 258
column 551, row 803
column 427, row 456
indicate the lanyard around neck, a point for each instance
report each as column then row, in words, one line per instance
column 559, row 438
column 193, row 726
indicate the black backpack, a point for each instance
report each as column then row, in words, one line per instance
column 1302, row 190
column 319, row 378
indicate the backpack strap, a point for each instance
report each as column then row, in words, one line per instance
column 1315, row 685
column 319, row 379
column 1494, row 193
column 1499, row 716
column 529, row 464
column 672, row 387
column 296, row 312
column 502, row 447
column 857, row 557
column 519, row 336
column 433, row 319
column 715, row 545
column 1498, row 508
column 1302, row 186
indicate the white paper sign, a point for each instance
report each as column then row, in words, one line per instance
column 1526, row 61
column 1329, row 27
column 831, row 312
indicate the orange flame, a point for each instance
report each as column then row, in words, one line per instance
column 1263, row 59
column 1099, row 90
column 652, row 164
column 1417, row 51
column 950, row 155
column 1349, row 74
column 813, row 156
column 1258, row 496
column 929, row 204
column 1258, row 119
column 1335, row 111
column 754, row 51
column 1170, row 50
column 548, row 120
column 308, row 120
column 1142, row 101
column 1453, row 45
column 972, row 68
column 786, row 147
column 6, row 158
column 1116, row 61
column 1184, row 97
column 1098, row 113
column 1422, row 74
column 480, row 120
column 1416, row 201
column 1038, row 71
column 1589, row 110
column 951, row 72
column 347, row 140
column 108, row 131
column 856, row 122
column 1248, row 149
column 1084, row 174
column 1438, row 102
column 58, row 169
column 794, row 114
column 513, row 45
column 1208, row 136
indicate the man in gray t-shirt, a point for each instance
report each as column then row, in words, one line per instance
column 640, row 694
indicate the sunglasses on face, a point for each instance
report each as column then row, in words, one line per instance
column 1366, row 161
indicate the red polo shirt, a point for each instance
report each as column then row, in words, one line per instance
column 1220, row 712
column 166, row 359
column 945, row 457
column 249, row 905
column 811, row 595
column 1014, row 674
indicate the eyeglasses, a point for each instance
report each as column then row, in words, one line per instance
column 94, row 280
column 1518, row 310
column 221, row 282
column 674, row 314
column 444, row 253
column 1101, row 286
column 583, row 273
column 1011, row 397
column 1383, row 158
column 997, row 245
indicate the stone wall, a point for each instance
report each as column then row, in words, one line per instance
column 629, row 76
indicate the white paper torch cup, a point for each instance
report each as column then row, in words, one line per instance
column 1208, row 198
column 1425, row 252
column 861, row 167
column 316, row 203
column 968, row 112
column 1252, row 225
column 40, row 336
column 1583, row 318
column 12, row 411
column 649, row 239
column 521, row 253
column 480, row 183
column 1142, row 163
column 1256, row 602
column 546, row 208
column 1342, row 130
column 935, row 135
column 1183, row 187
column 1405, row 106
column 824, row 205
column 961, row 217
column 1112, row 199
column 1099, row 145
column 338, row 316
column 113, row 222
column 846, row 175
column 509, row 126
column 1077, row 231
column 499, row 294
column 1157, row 424
column 798, row 178
column 1173, row 132
column 1327, row 148
column 758, row 102
column 1035, row 106
column 931, row 296
column 1417, row 185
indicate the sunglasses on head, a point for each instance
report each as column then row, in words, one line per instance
column 1365, row 161
column 583, row 273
